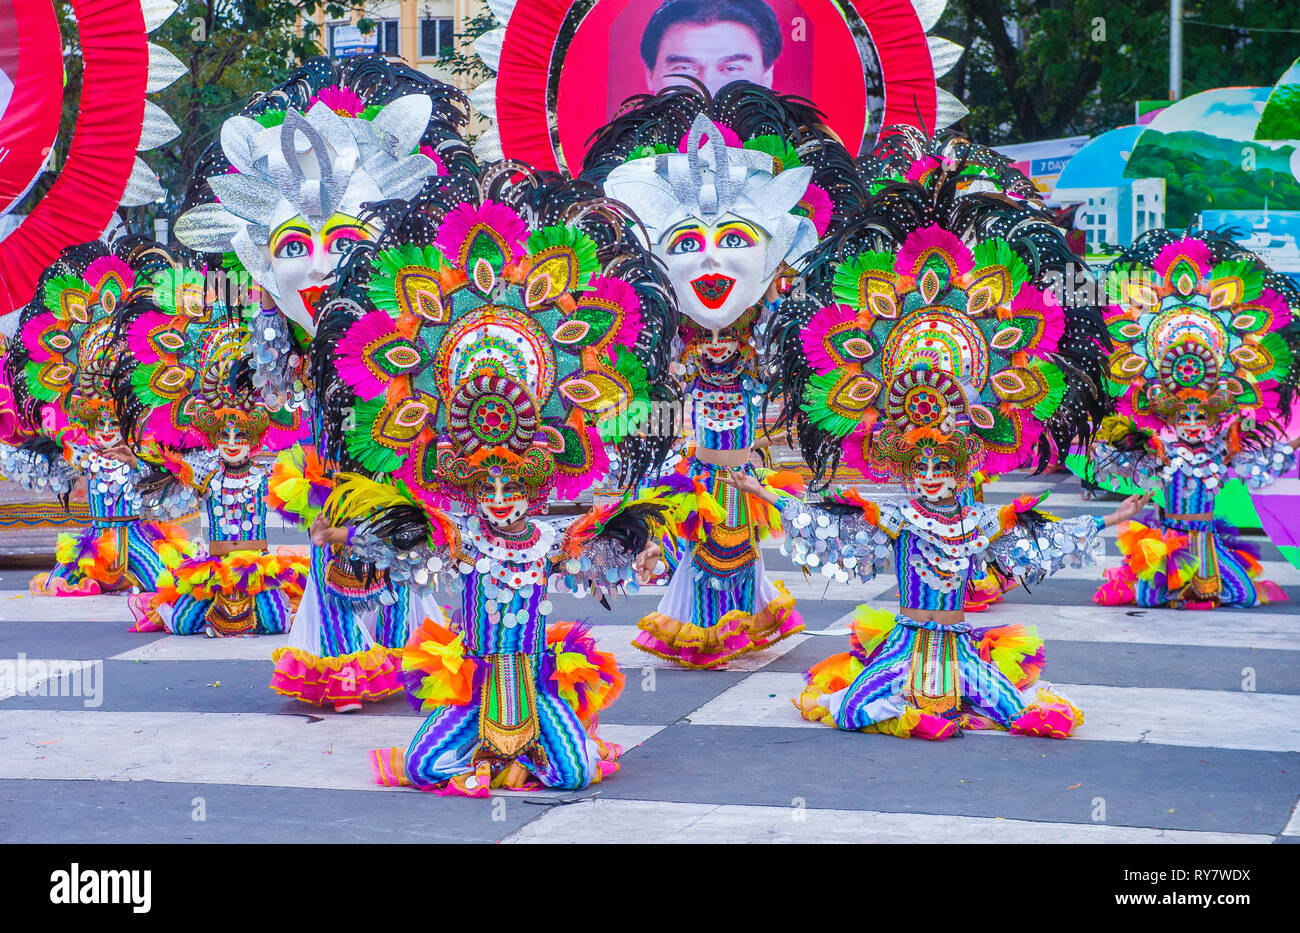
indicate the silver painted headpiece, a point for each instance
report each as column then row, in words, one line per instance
column 315, row 165
column 711, row 179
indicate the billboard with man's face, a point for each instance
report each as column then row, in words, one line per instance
column 567, row 66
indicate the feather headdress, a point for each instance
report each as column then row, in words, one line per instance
column 188, row 373
column 950, row 296
column 329, row 140
column 62, row 361
column 476, row 339
column 1199, row 322
column 763, row 157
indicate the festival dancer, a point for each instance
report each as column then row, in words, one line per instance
column 186, row 396
column 919, row 358
column 60, row 368
column 1206, row 349
column 729, row 191
column 472, row 357
column 282, row 199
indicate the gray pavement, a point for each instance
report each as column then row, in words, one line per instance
column 1190, row 736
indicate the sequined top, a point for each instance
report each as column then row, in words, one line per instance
column 933, row 554
column 1193, row 475
column 236, row 503
column 502, row 582
column 235, row 497
column 37, row 472
column 726, row 402
column 110, row 484
column 111, row 492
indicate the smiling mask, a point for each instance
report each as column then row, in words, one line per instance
column 719, row 219
column 290, row 210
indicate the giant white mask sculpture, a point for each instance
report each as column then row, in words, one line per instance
column 718, row 218
column 291, row 210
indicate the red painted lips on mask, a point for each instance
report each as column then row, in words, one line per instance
column 712, row 290
column 310, row 296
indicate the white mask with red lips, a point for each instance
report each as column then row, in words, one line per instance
column 1193, row 426
column 718, row 270
column 720, row 347
column 233, row 445
column 934, row 479
column 501, row 502
column 108, row 433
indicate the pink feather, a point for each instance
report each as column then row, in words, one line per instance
column 819, row 207
column 570, row 487
column 160, row 428
column 1277, row 304
column 729, row 138
column 1031, row 301
column 852, row 449
column 137, row 338
column 460, row 223
column 99, row 271
column 625, row 296
column 918, row 246
column 349, row 353
column 1189, row 248
column 342, row 100
column 814, row 336
column 31, row 334
column 1031, row 429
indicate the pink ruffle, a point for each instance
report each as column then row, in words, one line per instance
column 370, row 675
column 1048, row 720
column 932, row 727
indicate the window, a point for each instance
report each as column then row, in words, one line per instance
column 437, row 36
column 347, row 40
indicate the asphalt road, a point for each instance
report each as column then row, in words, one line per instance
column 1190, row 736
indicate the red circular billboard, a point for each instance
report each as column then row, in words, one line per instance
column 567, row 65
column 31, row 94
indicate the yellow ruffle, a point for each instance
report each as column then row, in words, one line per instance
column 370, row 659
column 900, row 726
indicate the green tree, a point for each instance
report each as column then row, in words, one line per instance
column 1036, row 70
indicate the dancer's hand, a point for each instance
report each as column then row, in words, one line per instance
column 324, row 534
column 1128, row 508
column 646, row 560
column 747, row 484
column 122, row 454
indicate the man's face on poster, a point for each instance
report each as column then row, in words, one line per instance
column 713, row 53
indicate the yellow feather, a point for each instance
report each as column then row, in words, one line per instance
column 356, row 497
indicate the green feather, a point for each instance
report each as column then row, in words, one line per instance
column 389, row 263
column 1048, row 405
column 1000, row 253
column 816, row 395
column 1251, row 276
column 1276, row 345
column 360, row 440
column 583, row 245
column 849, row 273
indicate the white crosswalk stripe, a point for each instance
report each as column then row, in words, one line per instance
column 1157, row 716
column 307, row 749
column 632, row 821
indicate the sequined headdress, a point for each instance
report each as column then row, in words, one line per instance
column 63, row 359
column 496, row 335
column 1199, row 322
column 187, row 374
column 948, row 302
column 749, row 152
